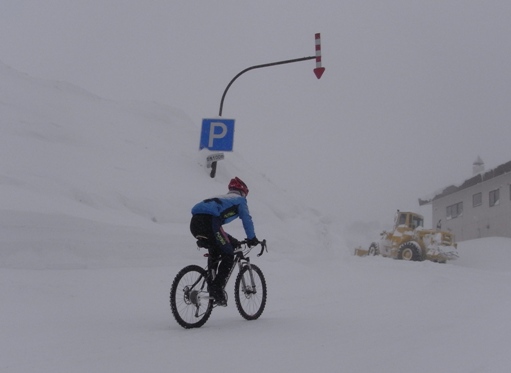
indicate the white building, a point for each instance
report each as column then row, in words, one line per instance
column 479, row 207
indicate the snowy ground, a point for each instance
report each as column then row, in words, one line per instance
column 71, row 313
column 94, row 226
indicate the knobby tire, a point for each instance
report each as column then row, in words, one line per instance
column 187, row 313
column 250, row 303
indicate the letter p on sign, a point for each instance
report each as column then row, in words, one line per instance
column 217, row 134
column 214, row 133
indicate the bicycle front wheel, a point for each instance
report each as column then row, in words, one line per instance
column 250, row 292
column 188, row 308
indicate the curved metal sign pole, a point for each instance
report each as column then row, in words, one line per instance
column 258, row 67
column 213, row 165
column 318, row 71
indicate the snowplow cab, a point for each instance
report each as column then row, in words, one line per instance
column 409, row 220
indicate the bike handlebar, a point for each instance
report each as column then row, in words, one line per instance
column 263, row 247
column 262, row 243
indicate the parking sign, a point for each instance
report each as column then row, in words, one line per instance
column 217, row 134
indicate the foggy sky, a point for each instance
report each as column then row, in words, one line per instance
column 413, row 91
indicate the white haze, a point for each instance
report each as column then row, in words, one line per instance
column 95, row 205
column 413, row 91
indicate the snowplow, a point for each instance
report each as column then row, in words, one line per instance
column 409, row 240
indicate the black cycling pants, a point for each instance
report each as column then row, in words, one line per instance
column 211, row 227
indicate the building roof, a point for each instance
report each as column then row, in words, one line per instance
column 479, row 178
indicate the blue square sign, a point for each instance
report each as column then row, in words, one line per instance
column 217, row 134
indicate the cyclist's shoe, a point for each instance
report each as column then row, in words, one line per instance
column 221, row 302
column 218, row 295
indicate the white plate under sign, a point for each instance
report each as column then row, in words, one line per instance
column 214, row 158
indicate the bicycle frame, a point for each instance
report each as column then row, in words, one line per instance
column 240, row 260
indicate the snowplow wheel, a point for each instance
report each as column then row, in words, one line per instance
column 373, row 249
column 409, row 251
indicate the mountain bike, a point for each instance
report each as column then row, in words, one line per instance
column 190, row 301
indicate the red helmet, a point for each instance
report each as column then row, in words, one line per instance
column 239, row 185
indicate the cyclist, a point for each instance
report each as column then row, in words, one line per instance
column 206, row 224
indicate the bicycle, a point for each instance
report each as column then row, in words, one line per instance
column 190, row 301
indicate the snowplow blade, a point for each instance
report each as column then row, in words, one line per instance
column 361, row 252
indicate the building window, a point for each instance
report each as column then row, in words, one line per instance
column 477, row 199
column 494, row 197
column 453, row 211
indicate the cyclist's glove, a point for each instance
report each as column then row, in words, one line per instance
column 252, row 242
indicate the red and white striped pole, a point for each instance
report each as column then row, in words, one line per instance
column 319, row 70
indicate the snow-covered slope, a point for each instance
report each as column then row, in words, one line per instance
column 69, row 153
column 94, row 210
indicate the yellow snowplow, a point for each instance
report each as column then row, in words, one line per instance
column 409, row 240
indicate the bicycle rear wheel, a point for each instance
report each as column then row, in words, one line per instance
column 250, row 297
column 189, row 310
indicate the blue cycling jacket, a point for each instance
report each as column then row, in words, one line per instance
column 228, row 207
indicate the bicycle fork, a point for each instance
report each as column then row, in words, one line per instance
column 247, row 289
